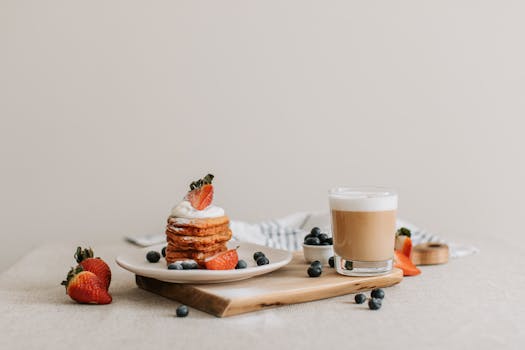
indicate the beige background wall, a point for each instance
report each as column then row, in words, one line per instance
column 109, row 108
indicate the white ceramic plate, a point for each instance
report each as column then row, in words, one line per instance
column 136, row 262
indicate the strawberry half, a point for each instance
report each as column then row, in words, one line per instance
column 223, row 261
column 201, row 192
column 84, row 258
column 85, row 287
column 404, row 245
column 201, row 197
column 404, row 263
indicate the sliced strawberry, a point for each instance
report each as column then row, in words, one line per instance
column 404, row 245
column 201, row 197
column 223, row 261
column 85, row 258
column 85, row 287
column 404, row 263
column 201, row 192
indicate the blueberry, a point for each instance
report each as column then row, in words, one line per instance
column 325, row 243
column 323, row 237
column 182, row 311
column 330, row 240
column 316, row 263
column 175, row 266
column 312, row 241
column 263, row 261
column 257, row 255
column 163, row 252
column 153, row 256
column 331, row 261
column 360, row 298
column 189, row 265
column 349, row 265
column 241, row 264
column 314, row 232
column 377, row 293
column 374, row 304
column 314, row 271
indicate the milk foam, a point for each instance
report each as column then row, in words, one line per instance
column 362, row 200
column 185, row 210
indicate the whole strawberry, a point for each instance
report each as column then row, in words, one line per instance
column 85, row 287
column 84, row 258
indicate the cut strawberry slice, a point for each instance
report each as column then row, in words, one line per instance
column 201, row 197
column 404, row 245
column 201, row 192
column 223, row 261
column 404, row 263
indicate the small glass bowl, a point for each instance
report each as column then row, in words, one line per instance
column 318, row 252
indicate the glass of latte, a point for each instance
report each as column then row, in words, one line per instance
column 363, row 229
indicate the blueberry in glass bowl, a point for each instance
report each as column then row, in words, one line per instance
column 318, row 246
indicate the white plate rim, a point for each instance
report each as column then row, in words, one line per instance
column 203, row 276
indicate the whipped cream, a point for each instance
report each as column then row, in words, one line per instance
column 185, row 210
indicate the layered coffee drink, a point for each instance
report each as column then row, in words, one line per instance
column 363, row 228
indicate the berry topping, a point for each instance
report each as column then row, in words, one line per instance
column 377, row 293
column 360, row 298
column 175, row 266
column 314, row 232
column 153, row 256
column 182, row 311
column 374, row 304
column 323, row 237
column 312, row 241
column 262, row 261
column 316, row 263
column 223, row 261
column 314, row 271
column 200, row 195
column 241, row 264
column 257, row 255
column 331, row 261
column 189, row 265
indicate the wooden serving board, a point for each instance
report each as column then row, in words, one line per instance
column 288, row 285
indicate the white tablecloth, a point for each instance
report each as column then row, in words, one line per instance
column 473, row 302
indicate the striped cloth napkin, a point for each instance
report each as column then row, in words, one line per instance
column 288, row 233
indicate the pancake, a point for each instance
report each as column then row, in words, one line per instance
column 198, row 256
column 201, row 248
column 198, row 223
column 196, row 239
column 196, row 231
column 202, row 243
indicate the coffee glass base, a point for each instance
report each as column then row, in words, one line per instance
column 362, row 268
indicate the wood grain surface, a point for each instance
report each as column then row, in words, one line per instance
column 287, row 285
column 430, row 254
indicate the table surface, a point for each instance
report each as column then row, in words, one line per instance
column 472, row 302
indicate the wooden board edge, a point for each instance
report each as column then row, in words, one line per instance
column 186, row 294
column 245, row 305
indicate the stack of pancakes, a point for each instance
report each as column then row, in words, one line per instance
column 196, row 239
